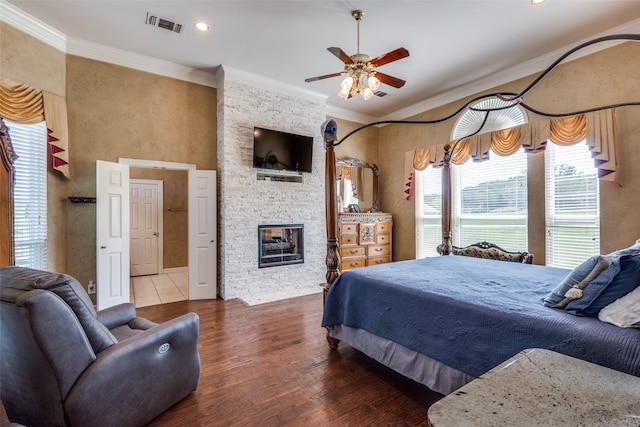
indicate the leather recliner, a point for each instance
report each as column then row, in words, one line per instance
column 62, row 363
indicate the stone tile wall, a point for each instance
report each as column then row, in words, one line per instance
column 246, row 202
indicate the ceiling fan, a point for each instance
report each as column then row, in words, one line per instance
column 360, row 71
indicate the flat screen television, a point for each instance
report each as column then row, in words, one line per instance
column 278, row 150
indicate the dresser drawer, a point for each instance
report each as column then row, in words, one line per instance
column 351, row 263
column 378, row 251
column 383, row 227
column 349, row 239
column 350, row 251
column 383, row 239
column 349, row 228
column 378, row 261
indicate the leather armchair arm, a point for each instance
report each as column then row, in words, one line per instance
column 117, row 315
column 133, row 381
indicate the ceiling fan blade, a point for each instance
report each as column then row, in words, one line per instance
column 394, row 55
column 342, row 56
column 326, row 76
column 390, row 80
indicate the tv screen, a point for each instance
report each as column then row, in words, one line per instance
column 277, row 150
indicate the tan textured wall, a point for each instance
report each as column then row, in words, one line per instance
column 120, row 112
column 27, row 60
column 362, row 145
column 606, row 77
column 174, row 214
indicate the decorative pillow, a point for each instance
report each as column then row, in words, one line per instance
column 607, row 288
column 577, row 280
column 623, row 312
column 627, row 251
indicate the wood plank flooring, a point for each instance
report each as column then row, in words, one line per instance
column 269, row 365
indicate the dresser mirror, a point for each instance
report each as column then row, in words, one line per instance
column 357, row 186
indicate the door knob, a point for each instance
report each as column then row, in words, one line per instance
column 155, row 233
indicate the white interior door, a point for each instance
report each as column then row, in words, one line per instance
column 145, row 199
column 112, row 233
column 202, row 235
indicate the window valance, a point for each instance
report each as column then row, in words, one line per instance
column 24, row 104
column 598, row 128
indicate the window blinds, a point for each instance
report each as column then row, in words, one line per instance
column 428, row 203
column 489, row 202
column 572, row 205
column 30, row 194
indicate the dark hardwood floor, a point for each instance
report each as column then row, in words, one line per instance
column 270, row 365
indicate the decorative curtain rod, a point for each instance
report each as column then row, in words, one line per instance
column 516, row 99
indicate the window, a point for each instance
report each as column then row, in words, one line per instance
column 489, row 202
column 572, row 205
column 428, row 195
column 30, row 194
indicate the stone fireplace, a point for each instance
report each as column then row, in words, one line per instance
column 280, row 245
column 248, row 200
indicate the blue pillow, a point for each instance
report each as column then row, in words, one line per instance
column 620, row 278
column 579, row 278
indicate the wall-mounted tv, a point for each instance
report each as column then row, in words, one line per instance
column 278, row 150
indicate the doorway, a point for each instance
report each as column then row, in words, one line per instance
column 159, row 228
column 113, row 229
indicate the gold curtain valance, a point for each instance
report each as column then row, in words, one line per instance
column 598, row 128
column 24, row 104
column 21, row 103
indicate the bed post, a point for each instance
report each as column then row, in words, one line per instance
column 329, row 134
column 445, row 246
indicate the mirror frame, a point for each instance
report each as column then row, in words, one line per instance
column 374, row 168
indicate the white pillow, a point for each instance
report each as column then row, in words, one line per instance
column 623, row 312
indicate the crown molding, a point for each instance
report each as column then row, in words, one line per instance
column 525, row 69
column 139, row 62
column 32, row 26
column 49, row 35
column 239, row 76
column 352, row 116
column 54, row 38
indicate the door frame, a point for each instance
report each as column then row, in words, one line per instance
column 160, row 185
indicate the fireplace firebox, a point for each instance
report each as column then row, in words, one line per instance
column 280, row 245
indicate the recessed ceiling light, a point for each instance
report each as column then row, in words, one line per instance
column 203, row 26
column 535, row 2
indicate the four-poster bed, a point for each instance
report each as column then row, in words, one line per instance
column 443, row 321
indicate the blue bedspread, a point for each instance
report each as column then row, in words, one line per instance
column 472, row 314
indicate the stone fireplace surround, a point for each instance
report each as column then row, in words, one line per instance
column 245, row 201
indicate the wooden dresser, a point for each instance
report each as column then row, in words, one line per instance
column 365, row 239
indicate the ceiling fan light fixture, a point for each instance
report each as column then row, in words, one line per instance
column 366, row 93
column 373, row 82
column 347, row 83
column 360, row 69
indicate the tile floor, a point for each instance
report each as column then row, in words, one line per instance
column 159, row 289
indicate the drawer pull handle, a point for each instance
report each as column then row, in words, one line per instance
column 353, row 252
column 353, row 265
column 378, row 249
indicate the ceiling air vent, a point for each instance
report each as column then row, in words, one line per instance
column 166, row 24
column 380, row 93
